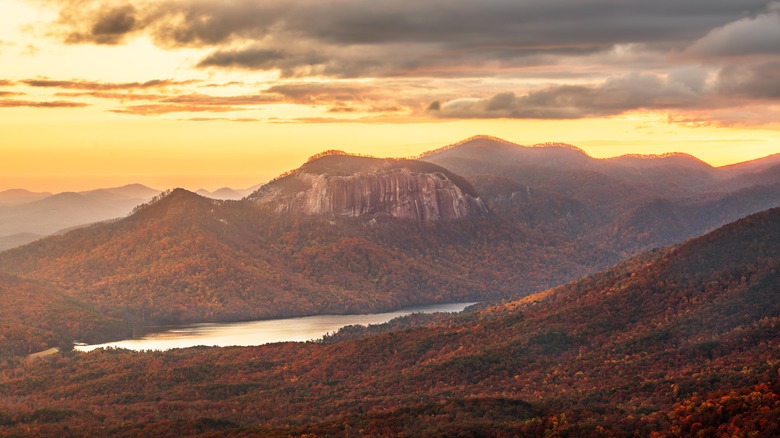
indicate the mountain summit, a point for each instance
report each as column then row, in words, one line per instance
column 334, row 183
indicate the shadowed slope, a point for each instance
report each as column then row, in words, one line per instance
column 637, row 349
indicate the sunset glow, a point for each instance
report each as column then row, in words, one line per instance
column 212, row 94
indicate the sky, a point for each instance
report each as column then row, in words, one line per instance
column 207, row 94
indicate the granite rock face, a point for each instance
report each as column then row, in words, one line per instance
column 356, row 186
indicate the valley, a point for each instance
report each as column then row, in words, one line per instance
column 591, row 324
column 669, row 340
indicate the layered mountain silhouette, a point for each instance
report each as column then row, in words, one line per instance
column 188, row 258
column 635, row 201
column 679, row 341
column 481, row 219
column 20, row 196
column 226, row 193
column 26, row 216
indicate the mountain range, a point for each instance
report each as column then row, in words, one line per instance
column 679, row 341
column 481, row 219
column 28, row 216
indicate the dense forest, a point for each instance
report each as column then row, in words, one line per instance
column 555, row 214
column 681, row 341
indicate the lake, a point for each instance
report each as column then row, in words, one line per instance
column 307, row 328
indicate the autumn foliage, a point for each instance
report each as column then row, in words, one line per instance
column 682, row 341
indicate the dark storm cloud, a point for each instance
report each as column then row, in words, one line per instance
column 614, row 96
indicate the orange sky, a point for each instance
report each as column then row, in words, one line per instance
column 211, row 94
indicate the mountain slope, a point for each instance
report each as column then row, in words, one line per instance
column 567, row 170
column 355, row 234
column 665, row 222
column 35, row 316
column 188, row 258
column 627, row 204
column 684, row 338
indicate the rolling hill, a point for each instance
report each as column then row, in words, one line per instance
column 676, row 342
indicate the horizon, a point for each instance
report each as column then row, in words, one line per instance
column 206, row 95
column 82, row 187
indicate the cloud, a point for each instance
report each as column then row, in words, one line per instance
column 10, row 93
column 323, row 92
column 351, row 96
column 753, row 116
column 96, row 22
column 756, row 81
column 208, row 100
column 160, row 109
column 442, row 59
column 6, row 83
column 384, row 38
column 44, row 104
column 222, row 119
column 759, row 35
column 614, row 96
column 113, row 95
column 92, row 85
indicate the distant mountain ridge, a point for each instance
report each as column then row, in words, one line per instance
column 594, row 196
column 23, row 222
column 20, row 196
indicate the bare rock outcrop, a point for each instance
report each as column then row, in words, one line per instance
column 345, row 185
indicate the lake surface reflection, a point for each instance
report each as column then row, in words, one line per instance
column 306, row 328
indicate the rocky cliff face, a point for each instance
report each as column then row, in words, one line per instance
column 355, row 186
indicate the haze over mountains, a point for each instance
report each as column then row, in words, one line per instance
column 658, row 199
column 27, row 216
column 478, row 220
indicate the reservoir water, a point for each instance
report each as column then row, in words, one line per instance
column 306, row 328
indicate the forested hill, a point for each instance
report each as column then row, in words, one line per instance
column 677, row 342
column 188, row 258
